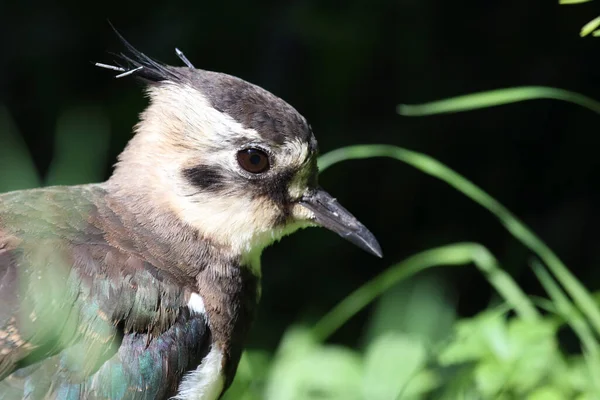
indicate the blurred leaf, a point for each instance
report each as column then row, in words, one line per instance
column 490, row 378
column 424, row 381
column 303, row 370
column 297, row 340
column 81, row 146
column 392, row 362
column 17, row 170
column 515, row 355
column 468, row 343
column 546, row 393
column 578, row 375
column 573, row 317
column 250, row 378
column 420, row 306
column 459, row 384
column 533, row 353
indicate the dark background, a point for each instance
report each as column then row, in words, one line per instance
column 346, row 66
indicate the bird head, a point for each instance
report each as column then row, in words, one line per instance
column 228, row 158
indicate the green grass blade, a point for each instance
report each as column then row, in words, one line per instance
column 569, row 312
column 517, row 228
column 17, row 170
column 497, row 97
column 455, row 254
column 573, row 1
column 504, row 283
column 590, row 27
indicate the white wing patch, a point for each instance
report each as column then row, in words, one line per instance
column 206, row 382
column 196, row 304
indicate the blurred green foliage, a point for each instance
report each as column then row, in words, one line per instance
column 414, row 346
column 77, row 158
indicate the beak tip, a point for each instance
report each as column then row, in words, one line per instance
column 375, row 249
column 366, row 241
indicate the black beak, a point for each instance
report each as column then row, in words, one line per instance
column 331, row 215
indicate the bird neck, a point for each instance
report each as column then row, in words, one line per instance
column 133, row 219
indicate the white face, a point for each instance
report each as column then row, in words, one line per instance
column 194, row 153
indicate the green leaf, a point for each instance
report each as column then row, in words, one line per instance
column 517, row 355
column 574, row 318
column 311, row 371
column 250, row 378
column 420, row 306
column 490, row 378
column 533, row 353
column 472, row 339
column 392, row 363
column 547, row 393
column 579, row 376
column 297, row 341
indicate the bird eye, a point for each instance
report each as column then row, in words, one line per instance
column 253, row 160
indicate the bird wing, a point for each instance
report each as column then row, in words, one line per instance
column 80, row 318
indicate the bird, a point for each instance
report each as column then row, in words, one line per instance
column 145, row 286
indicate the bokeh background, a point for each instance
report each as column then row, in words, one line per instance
column 345, row 66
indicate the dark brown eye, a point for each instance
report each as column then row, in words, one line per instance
column 253, row 160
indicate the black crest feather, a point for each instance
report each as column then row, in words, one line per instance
column 142, row 66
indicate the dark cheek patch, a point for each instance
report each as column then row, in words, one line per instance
column 276, row 187
column 205, row 177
